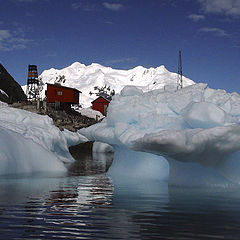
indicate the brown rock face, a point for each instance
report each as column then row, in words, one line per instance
column 11, row 87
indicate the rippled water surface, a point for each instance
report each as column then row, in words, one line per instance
column 93, row 206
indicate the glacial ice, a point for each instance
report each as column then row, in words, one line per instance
column 99, row 147
column 196, row 129
column 30, row 143
column 21, row 155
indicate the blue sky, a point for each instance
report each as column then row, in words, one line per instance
column 123, row 34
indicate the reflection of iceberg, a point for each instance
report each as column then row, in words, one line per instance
column 54, row 207
column 196, row 129
column 129, row 164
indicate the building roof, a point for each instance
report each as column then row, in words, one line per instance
column 60, row 86
column 107, row 99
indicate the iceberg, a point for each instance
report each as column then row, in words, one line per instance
column 30, row 143
column 195, row 129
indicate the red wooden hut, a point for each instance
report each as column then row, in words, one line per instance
column 64, row 96
column 101, row 104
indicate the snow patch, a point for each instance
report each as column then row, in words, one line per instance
column 89, row 112
column 2, row 92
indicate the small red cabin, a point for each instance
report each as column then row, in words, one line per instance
column 101, row 104
column 63, row 95
column 58, row 93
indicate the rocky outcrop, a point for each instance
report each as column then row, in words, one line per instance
column 10, row 87
column 70, row 120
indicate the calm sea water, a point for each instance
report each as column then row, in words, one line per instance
column 86, row 204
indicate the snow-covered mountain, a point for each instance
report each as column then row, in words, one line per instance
column 85, row 78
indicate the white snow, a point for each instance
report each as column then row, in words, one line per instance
column 85, row 78
column 3, row 104
column 195, row 126
column 31, row 143
column 2, row 92
column 89, row 112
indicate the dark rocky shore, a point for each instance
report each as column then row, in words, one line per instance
column 70, row 120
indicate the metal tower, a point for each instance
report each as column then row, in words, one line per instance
column 179, row 80
column 33, row 86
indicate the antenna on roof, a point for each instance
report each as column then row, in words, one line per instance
column 179, row 79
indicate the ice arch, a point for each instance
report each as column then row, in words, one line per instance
column 196, row 129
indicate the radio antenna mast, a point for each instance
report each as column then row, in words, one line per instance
column 179, row 80
column 33, row 84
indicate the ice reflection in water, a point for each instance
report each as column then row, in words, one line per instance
column 53, row 207
column 98, row 207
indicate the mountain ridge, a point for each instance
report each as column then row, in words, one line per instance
column 86, row 77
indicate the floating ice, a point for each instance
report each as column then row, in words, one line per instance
column 21, row 155
column 31, row 143
column 203, row 115
column 195, row 127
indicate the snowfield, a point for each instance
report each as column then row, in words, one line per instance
column 85, row 78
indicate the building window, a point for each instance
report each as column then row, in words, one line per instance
column 59, row 93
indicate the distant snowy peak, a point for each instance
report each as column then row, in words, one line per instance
column 85, row 78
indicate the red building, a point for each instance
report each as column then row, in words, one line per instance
column 62, row 95
column 101, row 104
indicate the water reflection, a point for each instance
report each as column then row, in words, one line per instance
column 88, row 163
column 99, row 207
column 53, row 207
column 194, row 214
